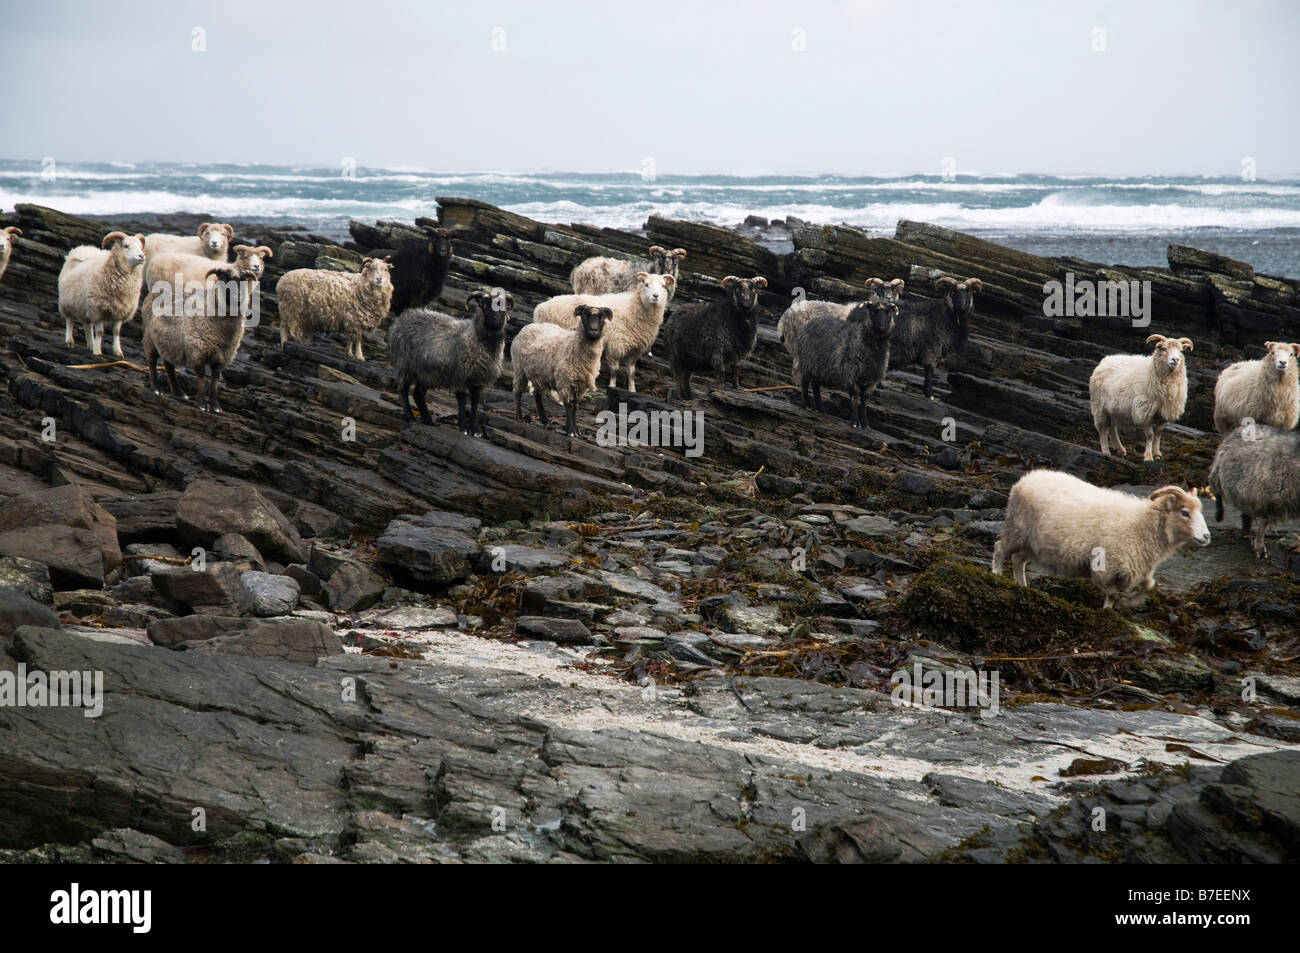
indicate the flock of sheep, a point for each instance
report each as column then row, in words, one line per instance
column 1054, row 521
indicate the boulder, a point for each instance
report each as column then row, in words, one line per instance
column 74, row 556
column 563, row 631
column 28, row 576
column 216, row 591
column 354, row 587
column 270, row 595
column 292, row 640
column 208, row 510
column 432, row 554
column 69, row 505
column 17, row 608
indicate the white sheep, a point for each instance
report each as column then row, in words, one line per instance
column 563, row 361
column 1067, row 527
column 605, row 275
column 212, row 242
column 100, row 286
column 1134, row 390
column 313, row 299
column 637, row 317
column 179, row 277
column 7, row 236
column 1267, row 391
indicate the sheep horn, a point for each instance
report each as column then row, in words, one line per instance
column 658, row 250
column 728, row 281
column 1167, row 491
column 112, row 237
column 1157, row 337
column 760, row 281
column 203, row 228
column 944, row 283
column 230, row 232
column 875, row 282
column 899, row 284
column 678, row 253
column 1186, row 343
column 975, row 285
column 14, row 230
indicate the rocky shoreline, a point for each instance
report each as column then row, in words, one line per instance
column 411, row 645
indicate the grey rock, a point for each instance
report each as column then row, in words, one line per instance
column 432, row 554
column 28, row 576
column 270, row 595
column 563, row 631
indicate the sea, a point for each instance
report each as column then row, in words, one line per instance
column 1128, row 221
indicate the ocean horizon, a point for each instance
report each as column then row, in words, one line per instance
column 1117, row 220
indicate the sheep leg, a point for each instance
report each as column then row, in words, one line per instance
column 70, row 338
column 519, row 410
column 175, row 389
column 1246, row 520
column 613, row 374
column 153, row 372
column 426, row 418
column 214, row 404
column 684, row 385
column 803, row 393
column 998, row 563
column 117, row 338
column 571, row 418
column 1114, row 436
column 928, row 387
column 477, row 421
column 284, row 336
column 1159, row 429
column 630, row 367
column 817, row 397
column 1149, row 452
column 92, row 337
column 1020, row 568
column 1260, row 545
column 541, row 407
column 462, row 404
column 404, row 393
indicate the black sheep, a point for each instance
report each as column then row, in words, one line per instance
column 716, row 335
column 931, row 328
column 850, row 355
column 420, row 269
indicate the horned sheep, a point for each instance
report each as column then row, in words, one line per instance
column 563, row 361
column 1266, row 391
column 604, row 275
column 1134, row 390
column 1067, row 527
column 101, row 286
column 212, row 242
column 930, row 329
column 801, row 312
column 716, row 335
column 851, row 355
column 312, row 299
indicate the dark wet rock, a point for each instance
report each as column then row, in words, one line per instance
column 27, row 576
column 232, row 547
column 17, row 609
column 83, row 602
column 434, row 554
column 292, row 640
column 309, row 583
column 144, row 517
column 73, row 555
column 136, row 566
column 69, row 505
column 354, row 587
column 563, row 631
column 191, row 628
column 125, row 845
column 215, row 591
column 207, row 510
column 270, row 595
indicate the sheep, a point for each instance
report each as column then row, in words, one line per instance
column 312, row 300
column 7, row 236
column 212, row 242
column 1138, row 391
column 1257, row 470
column 547, row 357
column 931, row 329
column 431, row 349
column 803, row 311
column 637, row 316
column 207, row 341
column 99, row 286
column 1267, row 391
column 851, row 355
column 715, row 336
column 420, row 269
column 603, row 275
column 1068, row 527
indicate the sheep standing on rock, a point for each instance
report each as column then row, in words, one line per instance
column 801, row 312
column 101, row 286
column 1132, row 390
column 564, row 361
column 604, row 275
column 7, row 236
column 1067, row 527
column 420, row 268
column 851, row 355
column 638, row 315
column 1267, row 391
column 313, row 299
column 1257, row 470
column 203, row 342
column 929, row 330
column 212, row 242
column 432, row 349
column 714, row 336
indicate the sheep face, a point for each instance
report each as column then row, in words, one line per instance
column 250, row 259
column 959, row 295
column 493, row 310
column 215, row 238
column 1183, row 520
column 1168, row 353
column 654, row 288
column 666, row 261
column 1281, row 357
column 439, row 242
column 885, row 290
column 593, row 320
column 130, row 247
column 876, row 315
column 744, row 292
column 7, row 237
column 376, row 271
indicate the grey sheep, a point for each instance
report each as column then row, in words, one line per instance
column 801, row 312
column 563, row 361
column 428, row 348
column 716, row 335
column 204, row 342
column 931, row 329
column 604, row 275
column 850, row 355
column 1257, row 470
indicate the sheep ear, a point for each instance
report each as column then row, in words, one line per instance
column 760, row 281
column 641, row 276
column 1156, row 337
column 141, row 237
column 510, row 301
column 1294, row 347
column 944, row 283
column 366, row 261
column 388, row 260
column 669, row 280
column 728, row 281
column 975, row 285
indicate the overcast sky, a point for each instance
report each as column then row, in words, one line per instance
column 701, row 86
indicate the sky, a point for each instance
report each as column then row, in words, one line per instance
column 1131, row 87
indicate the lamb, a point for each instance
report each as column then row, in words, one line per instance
column 931, row 329
column 1267, row 391
column 312, row 300
column 1137, row 391
column 207, row 341
column 603, row 275
column 801, row 312
column 638, row 315
column 420, row 268
column 7, row 236
column 1257, row 470
column 212, row 242
column 851, row 355
column 547, row 357
column 431, row 349
column 99, row 286
column 1068, row 527
column 715, row 336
